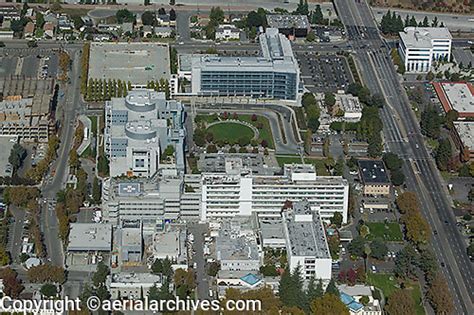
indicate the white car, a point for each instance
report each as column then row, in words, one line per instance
column 374, row 270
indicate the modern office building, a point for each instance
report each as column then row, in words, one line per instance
column 228, row 195
column 420, row 46
column 138, row 130
column 130, row 285
column 289, row 25
column 306, row 244
column 274, row 74
column 166, row 197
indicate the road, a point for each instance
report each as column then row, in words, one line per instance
column 403, row 136
column 202, row 279
column 67, row 114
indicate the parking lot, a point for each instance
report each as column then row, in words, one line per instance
column 324, row 73
column 28, row 62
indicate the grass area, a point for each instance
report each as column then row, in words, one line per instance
column 282, row 160
column 206, row 118
column 93, row 125
column 300, row 118
column 88, row 152
column 265, row 131
column 320, row 166
column 388, row 232
column 74, row 11
column 230, row 131
column 388, row 284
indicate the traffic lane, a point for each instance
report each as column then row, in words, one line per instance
column 198, row 231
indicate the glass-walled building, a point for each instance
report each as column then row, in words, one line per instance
column 274, row 74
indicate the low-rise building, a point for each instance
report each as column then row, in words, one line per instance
column 6, row 143
column 130, row 235
column 90, row 237
column 170, row 243
column 163, row 31
column 131, row 286
column 48, row 29
column 6, row 34
column 236, row 246
column 347, row 107
column 29, row 30
column 458, row 96
column 306, row 244
column 374, row 177
column 464, row 138
column 420, row 46
column 272, row 233
column 9, row 12
column 289, row 25
column 351, row 296
column 227, row 32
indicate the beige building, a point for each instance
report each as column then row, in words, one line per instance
column 374, row 178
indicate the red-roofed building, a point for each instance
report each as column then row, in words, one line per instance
column 458, row 96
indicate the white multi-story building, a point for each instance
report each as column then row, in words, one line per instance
column 138, row 129
column 131, row 286
column 229, row 195
column 306, row 244
column 420, row 46
column 227, row 31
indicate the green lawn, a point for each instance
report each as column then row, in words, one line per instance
column 282, row 160
column 389, row 232
column 93, row 125
column 265, row 132
column 231, row 132
column 388, row 284
column 320, row 166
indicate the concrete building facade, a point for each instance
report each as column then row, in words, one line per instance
column 420, row 46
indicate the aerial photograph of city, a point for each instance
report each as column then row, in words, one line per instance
column 272, row 157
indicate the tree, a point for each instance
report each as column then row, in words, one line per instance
column 405, row 263
column 400, row 303
column 339, row 167
column 46, row 273
column 329, row 304
column 443, row 154
column 213, row 269
column 49, row 290
column 430, row 122
column 392, row 161
column 12, row 286
column 439, row 296
column 332, row 288
column 39, row 20
column 378, row 249
column 172, row 15
column 310, row 37
column 397, row 177
column 100, row 275
column 17, row 155
column 125, row 16
column 148, row 18
column 314, row 290
column 337, row 219
column 407, row 202
column 268, row 271
column 96, row 191
column 356, row 246
column 329, row 99
column 211, row 148
column 317, row 15
column 417, row 229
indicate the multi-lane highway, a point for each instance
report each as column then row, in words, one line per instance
column 402, row 136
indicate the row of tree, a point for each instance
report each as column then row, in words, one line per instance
column 393, row 23
column 394, row 164
column 38, row 172
column 99, row 90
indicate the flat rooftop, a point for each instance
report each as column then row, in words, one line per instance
column 134, row 62
column 465, row 130
column 422, row 37
column 6, row 143
column 287, row 21
column 373, row 172
column 306, row 235
column 90, row 237
column 457, row 96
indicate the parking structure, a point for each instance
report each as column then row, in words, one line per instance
column 324, row 73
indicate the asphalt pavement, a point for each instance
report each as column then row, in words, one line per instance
column 402, row 136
